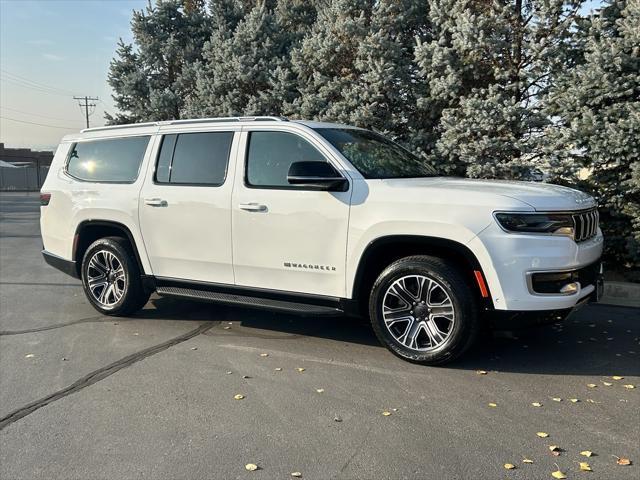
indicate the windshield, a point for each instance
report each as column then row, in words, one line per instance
column 374, row 156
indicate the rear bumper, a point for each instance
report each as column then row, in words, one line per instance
column 62, row 264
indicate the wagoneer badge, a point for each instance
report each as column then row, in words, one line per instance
column 309, row 266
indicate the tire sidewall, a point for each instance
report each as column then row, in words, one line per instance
column 125, row 260
column 457, row 338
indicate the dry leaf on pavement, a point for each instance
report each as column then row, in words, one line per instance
column 493, row 404
column 617, row 377
column 622, row 461
column 386, row 414
column 527, row 460
column 536, row 404
column 574, row 400
column 264, row 354
column 296, row 474
column 320, row 390
column 585, row 467
column 558, row 474
column 629, row 386
column 239, row 396
column 586, row 453
column 509, row 466
column 252, row 467
column 591, row 385
column 556, row 399
column 542, row 434
column 607, row 384
column 300, row 369
column 481, row 372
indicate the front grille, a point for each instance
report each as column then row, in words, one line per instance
column 585, row 224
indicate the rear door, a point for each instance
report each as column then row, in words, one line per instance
column 286, row 237
column 185, row 202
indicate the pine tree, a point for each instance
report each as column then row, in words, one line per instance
column 147, row 77
column 485, row 68
column 597, row 110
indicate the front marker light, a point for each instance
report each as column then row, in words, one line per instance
column 545, row 223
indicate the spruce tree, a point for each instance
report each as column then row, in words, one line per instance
column 147, row 76
column 596, row 107
column 485, row 69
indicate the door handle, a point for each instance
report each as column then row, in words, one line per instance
column 253, row 207
column 156, row 202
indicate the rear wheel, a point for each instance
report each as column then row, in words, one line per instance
column 111, row 277
column 423, row 311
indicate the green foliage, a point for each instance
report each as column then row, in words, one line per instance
column 597, row 110
column 481, row 88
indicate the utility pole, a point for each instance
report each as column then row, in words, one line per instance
column 86, row 105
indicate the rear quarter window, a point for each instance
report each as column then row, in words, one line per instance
column 109, row 160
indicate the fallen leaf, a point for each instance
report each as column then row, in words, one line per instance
column 493, row 404
column 592, row 385
column 239, row 396
column 629, row 386
column 194, row 348
column 246, row 376
column 527, row 460
column 29, row 355
column 336, row 418
column 226, row 328
column 554, row 448
column 617, row 377
column 481, row 372
column 586, row 453
column 585, row 467
column 574, row 400
column 558, row 474
column 320, row 390
column 252, row 467
column 622, row 461
column 386, row 414
column 300, row 369
column 607, row 384
column 278, row 369
column 509, row 466
column 555, row 454
column 264, row 354
column 229, row 373
column 542, row 434
column 590, row 400
column 296, row 474
column 136, row 334
column 536, row 404
column 556, row 399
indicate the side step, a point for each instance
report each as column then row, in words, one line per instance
column 248, row 301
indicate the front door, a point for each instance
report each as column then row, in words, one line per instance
column 286, row 237
column 184, row 207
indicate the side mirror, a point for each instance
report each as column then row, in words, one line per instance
column 317, row 176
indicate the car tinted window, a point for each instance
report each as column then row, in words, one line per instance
column 194, row 158
column 109, row 160
column 271, row 154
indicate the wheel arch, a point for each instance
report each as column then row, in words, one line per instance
column 89, row 231
column 382, row 251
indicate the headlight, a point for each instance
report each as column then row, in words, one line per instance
column 549, row 223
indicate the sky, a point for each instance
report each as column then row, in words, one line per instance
column 51, row 50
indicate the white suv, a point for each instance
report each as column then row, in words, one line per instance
column 315, row 218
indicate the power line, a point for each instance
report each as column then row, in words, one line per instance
column 86, row 105
column 21, row 83
column 36, row 114
column 39, row 124
column 34, row 83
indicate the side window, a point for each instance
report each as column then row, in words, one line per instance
column 108, row 160
column 272, row 153
column 194, row 158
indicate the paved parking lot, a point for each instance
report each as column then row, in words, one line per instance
column 83, row 396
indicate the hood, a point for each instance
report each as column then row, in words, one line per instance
column 539, row 196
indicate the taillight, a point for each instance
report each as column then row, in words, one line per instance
column 45, row 198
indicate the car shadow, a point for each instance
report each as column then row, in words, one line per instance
column 595, row 340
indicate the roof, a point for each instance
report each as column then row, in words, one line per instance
column 308, row 123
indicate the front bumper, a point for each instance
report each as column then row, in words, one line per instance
column 509, row 262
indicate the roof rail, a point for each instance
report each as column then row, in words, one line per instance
column 188, row 121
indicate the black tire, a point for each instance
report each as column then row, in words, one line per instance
column 133, row 295
column 461, row 332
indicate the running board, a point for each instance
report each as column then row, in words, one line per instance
column 248, row 301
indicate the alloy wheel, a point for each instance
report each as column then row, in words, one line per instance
column 106, row 278
column 418, row 312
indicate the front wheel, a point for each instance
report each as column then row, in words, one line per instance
column 423, row 311
column 111, row 277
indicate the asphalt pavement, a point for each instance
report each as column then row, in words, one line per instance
column 84, row 396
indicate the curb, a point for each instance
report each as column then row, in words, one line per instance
column 623, row 294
